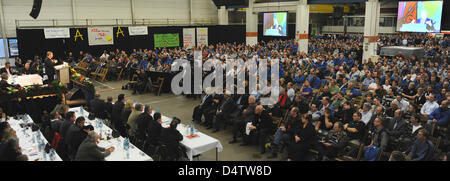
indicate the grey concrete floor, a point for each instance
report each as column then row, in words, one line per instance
column 171, row 105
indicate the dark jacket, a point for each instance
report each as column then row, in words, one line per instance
column 64, row 128
column 143, row 121
column 74, row 136
column 89, row 151
column 249, row 114
column 154, row 132
column 399, row 130
column 125, row 115
column 109, row 107
column 171, row 138
column 117, row 111
column 307, row 134
column 263, row 121
column 99, row 108
column 292, row 125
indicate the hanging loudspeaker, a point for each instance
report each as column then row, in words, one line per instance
column 36, row 8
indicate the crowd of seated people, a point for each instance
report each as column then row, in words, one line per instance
column 348, row 101
column 331, row 99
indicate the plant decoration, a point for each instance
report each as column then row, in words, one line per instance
column 80, row 78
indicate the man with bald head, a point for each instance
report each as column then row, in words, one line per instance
column 223, row 112
column 248, row 115
column 262, row 126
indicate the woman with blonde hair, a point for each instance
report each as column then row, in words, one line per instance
column 128, row 108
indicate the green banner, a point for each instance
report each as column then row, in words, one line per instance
column 167, row 40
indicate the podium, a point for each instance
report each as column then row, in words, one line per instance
column 62, row 72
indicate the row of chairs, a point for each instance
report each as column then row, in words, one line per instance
column 157, row 85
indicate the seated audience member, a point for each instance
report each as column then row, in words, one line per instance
column 74, row 136
column 223, row 112
column 9, row 144
column 380, row 138
column 126, row 112
column 262, row 126
column 90, row 151
column 117, row 112
column 171, row 137
column 306, row 90
column 406, row 139
column 422, row 149
column 402, row 104
column 301, row 104
column 326, row 121
column 109, row 106
column 346, row 114
column 366, row 113
column 27, row 70
column 338, row 99
column 283, row 103
column 204, row 108
column 248, row 115
column 7, row 69
column 350, row 92
column 441, row 115
column 429, row 106
column 142, row 125
column 133, row 118
column 285, row 133
column 99, row 107
column 4, row 83
column 333, row 143
column 355, row 129
column 410, row 92
column 154, row 129
column 304, row 139
column 141, row 82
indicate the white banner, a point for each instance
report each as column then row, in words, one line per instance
column 137, row 30
column 188, row 37
column 51, row 33
column 202, row 37
column 101, row 36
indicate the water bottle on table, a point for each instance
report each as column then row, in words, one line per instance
column 192, row 130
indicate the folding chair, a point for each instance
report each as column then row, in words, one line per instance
column 158, row 85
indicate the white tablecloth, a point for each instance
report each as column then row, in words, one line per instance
column 26, row 80
column 196, row 145
column 119, row 154
column 29, row 141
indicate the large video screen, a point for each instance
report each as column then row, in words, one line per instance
column 419, row 16
column 275, row 24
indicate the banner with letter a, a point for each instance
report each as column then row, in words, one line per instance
column 51, row 33
column 137, row 30
column 188, row 37
column 202, row 37
column 101, row 36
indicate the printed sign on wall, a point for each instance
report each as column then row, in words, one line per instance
column 137, row 30
column 51, row 33
column 100, row 36
column 188, row 37
column 202, row 37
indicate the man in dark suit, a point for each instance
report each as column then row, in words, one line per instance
column 224, row 110
column 109, row 106
column 27, row 70
column 262, row 126
column 49, row 65
column 116, row 113
column 142, row 124
column 397, row 126
column 73, row 135
column 4, row 83
column 203, row 108
column 154, row 129
column 65, row 125
column 7, row 69
column 248, row 115
column 171, row 137
column 99, row 107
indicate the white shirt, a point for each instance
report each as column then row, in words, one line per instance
column 403, row 105
column 429, row 107
column 366, row 116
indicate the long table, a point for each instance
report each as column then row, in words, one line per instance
column 196, row 145
column 119, row 154
column 32, row 142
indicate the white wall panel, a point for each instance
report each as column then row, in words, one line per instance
column 203, row 9
column 161, row 9
column 20, row 10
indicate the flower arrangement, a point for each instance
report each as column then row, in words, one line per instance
column 80, row 78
